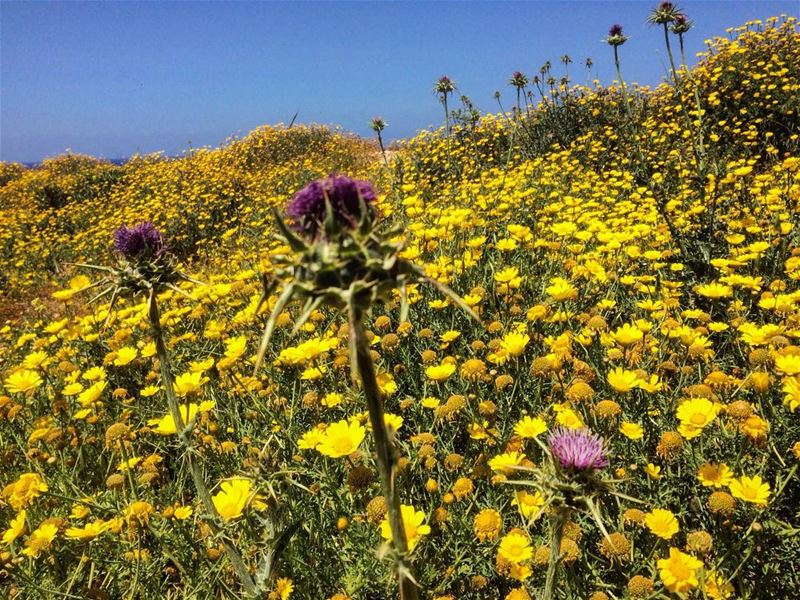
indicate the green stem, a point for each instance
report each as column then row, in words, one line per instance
column 383, row 151
column 622, row 83
column 669, row 53
column 387, row 456
column 559, row 521
column 199, row 483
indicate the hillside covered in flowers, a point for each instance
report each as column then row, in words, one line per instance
column 605, row 406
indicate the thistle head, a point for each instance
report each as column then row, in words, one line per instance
column 139, row 242
column 444, row 85
column 377, row 124
column 577, row 450
column 615, row 36
column 664, row 13
column 518, row 79
column 681, row 24
column 347, row 200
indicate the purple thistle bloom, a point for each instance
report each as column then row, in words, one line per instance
column 308, row 209
column 615, row 30
column 142, row 240
column 578, row 449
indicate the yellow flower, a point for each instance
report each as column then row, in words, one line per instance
column 233, row 497
column 341, row 439
column 332, row 399
column 662, row 523
column 487, row 524
column 632, row 431
column 750, row 489
column 138, row 512
column 529, row 503
column 412, row 524
column 716, row 587
column 504, row 463
column 235, row 347
column 187, row 384
column 715, row 291
column 694, row 414
column 40, row 540
column 72, row 389
column 92, row 394
column 35, row 360
column 440, row 372
column 89, row 532
column 125, row 356
column 150, row 390
column 530, row 427
column 628, row 335
column 166, row 424
column 560, row 290
column 788, row 364
column 514, row 343
column 307, row 351
column 311, row 439
column 15, row 528
column 386, row 384
column 508, row 279
column 622, row 380
column 284, row 588
column 430, row 402
column 515, row 548
column 24, row 490
column 711, row 475
column 791, row 387
column 653, row 471
column 24, row 381
column 94, row 374
column 76, row 284
column 393, row 422
column 182, row 512
column 679, row 571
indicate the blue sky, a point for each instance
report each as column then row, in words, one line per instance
column 114, row 78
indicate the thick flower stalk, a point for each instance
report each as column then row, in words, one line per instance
column 572, row 482
column 145, row 266
column 343, row 261
column 576, row 455
column 378, row 124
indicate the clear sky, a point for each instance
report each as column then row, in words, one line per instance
column 114, row 78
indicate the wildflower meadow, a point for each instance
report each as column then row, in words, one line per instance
column 547, row 351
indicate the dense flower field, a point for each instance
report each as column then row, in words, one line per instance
column 619, row 423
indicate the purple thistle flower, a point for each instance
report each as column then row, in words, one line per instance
column 578, row 449
column 308, row 210
column 142, row 240
column 616, row 29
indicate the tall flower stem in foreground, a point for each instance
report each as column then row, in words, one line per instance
column 340, row 259
column 559, row 520
column 572, row 484
column 180, row 426
column 378, row 125
column 146, row 267
column 386, row 452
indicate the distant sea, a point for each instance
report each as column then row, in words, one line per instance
column 113, row 161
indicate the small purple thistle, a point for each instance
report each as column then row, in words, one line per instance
column 139, row 241
column 308, row 210
column 616, row 29
column 578, row 449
